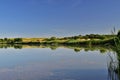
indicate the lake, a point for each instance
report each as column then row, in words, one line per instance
column 44, row 63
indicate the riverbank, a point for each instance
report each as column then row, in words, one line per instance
column 92, row 39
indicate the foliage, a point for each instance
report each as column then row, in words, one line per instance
column 91, row 39
column 17, row 40
column 114, row 65
column 118, row 35
column 53, row 38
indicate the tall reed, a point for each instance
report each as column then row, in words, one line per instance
column 114, row 65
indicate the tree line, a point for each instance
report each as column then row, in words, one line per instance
column 11, row 40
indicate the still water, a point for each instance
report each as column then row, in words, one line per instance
column 47, row 64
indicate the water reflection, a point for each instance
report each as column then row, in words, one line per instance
column 63, row 65
column 114, row 65
column 76, row 48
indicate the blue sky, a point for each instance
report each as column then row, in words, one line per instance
column 44, row 18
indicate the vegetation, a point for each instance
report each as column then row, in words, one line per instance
column 114, row 65
column 76, row 48
column 91, row 39
column 118, row 35
column 102, row 43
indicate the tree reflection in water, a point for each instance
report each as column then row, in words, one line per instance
column 113, row 62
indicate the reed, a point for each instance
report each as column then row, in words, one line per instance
column 114, row 64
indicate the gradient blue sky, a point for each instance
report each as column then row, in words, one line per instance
column 43, row 18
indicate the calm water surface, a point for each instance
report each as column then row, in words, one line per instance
column 47, row 64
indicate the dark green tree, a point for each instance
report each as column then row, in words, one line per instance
column 17, row 40
column 53, row 38
column 5, row 39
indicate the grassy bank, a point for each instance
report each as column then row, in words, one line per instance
column 93, row 39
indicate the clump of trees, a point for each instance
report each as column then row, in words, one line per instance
column 50, row 39
column 90, row 36
column 85, row 39
column 17, row 40
column 11, row 40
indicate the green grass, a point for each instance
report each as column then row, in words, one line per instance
column 91, row 39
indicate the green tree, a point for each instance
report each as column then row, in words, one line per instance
column 53, row 38
column 5, row 39
column 17, row 40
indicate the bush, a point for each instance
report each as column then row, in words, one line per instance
column 53, row 38
column 18, row 40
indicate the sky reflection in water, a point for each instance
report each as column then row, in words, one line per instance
column 45, row 64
